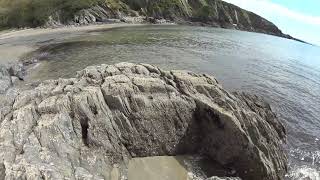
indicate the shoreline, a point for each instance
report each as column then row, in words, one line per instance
column 36, row 64
column 9, row 58
column 38, row 31
column 15, row 45
column 12, row 52
column 16, row 52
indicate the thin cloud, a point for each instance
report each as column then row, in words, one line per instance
column 269, row 9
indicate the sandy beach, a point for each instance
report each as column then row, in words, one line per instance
column 16, row 43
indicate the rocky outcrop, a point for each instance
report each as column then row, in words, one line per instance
column 227, row 15
column 5, row 79
column 10, row 73
column 102, row 14
column 215, row 13
column 199, row 12
column 79, row 128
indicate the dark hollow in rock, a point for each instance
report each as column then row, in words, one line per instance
column 80, row 127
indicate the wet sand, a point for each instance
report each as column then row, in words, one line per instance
column 16, row 43
column 11, row 54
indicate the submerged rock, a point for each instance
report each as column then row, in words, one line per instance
column 81, row 127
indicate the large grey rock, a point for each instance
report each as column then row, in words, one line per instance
column 8, row 74
column 5, row 79
column 79, row 128
column 17, row 70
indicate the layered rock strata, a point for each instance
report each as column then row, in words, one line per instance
column 79, row 128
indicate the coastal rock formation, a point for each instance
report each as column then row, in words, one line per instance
column 200, row 12
column 5, row 79
column 79, row 128
column 57, row 13
column 9, row 74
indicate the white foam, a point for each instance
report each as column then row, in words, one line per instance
column 305, row 173
column 313, row 157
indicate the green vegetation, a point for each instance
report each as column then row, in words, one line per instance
column 204, row 13
column 31, row 13
column 168, row 8
column 160, row 8
column 118, row 5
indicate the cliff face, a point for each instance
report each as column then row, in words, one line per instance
column 213, row 12
column 50, row 13
column 207, row 12
column 79, row 128
column 228, row 15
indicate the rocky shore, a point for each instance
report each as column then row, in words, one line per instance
column 216, row 13
column 9, row 74
column 79, row 128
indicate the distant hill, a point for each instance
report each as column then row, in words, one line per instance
column 33, row 13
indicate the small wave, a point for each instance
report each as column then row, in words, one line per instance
column 304, row 164
column 305, row 173
column 312, row 157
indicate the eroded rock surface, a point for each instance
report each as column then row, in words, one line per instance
column 79, row 128
column 5, row 79
column 10, row 73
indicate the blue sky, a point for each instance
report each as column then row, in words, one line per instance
column 299, row 18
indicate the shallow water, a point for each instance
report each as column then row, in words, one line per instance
column 285, row 72
column 185, row 167
column 166, row 168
